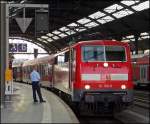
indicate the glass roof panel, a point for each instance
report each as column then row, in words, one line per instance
column 130, row 36
column 73, row 24
column 139, row 38
column 145, row 37
column 141, row 6
column 122, row 13
column 81, row 29
column 132, row 39
column 70, row 32
column 126, row 41
column 55, row 37
column 129, row 2
column 39, row 39
column 101, row 21
column 64, row 29
column 62, row 35
column 56, row 32
column 44, row 37
column 39, row 44
column 49, row 40
column 144, row 33
column 91, row 24
column 44, row 41
column 50, row 34
column 107, row 18
column 96, row 15
column 83, row 21
column 113, row 8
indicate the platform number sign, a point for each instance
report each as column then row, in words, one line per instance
column 14, row 47
column 22, row 47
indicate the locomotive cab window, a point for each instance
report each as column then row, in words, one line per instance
column 115, row 53
column 93, row 53
column 103, row 53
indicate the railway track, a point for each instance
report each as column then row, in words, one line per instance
column 99, row 120
column 90, row 118
column 142, row 103
column 139, row 101
column 142, row 99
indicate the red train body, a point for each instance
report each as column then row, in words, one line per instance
column 93, row 71
column 141, row 69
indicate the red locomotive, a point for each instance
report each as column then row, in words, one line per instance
column 141, row 68
column 92, row 72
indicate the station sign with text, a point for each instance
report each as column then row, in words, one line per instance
column 17, row 47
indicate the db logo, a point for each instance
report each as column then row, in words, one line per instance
column 108, row 77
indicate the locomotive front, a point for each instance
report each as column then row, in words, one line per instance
column 104, row 74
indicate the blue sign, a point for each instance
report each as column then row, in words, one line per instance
column 14, row 47
column 22, row 47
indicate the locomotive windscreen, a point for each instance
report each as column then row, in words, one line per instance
column 115, row 53
column 93, row 53
column 103, row 53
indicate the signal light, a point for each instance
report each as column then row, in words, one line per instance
column 123, row 87
column 105, row 64
column 87, row 87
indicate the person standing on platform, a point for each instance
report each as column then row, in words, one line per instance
column 35, row 78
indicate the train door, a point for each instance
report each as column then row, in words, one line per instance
column 21, row 74
column 72, row 66
column 143, row 74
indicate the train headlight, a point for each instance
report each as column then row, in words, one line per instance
column 87, row 87
column 105, row 64
column 123, row 87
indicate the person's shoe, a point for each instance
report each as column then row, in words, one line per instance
column 42, row 101
column 35, row 100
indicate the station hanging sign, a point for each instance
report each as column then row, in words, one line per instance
column 23, row 23
column 17, row 47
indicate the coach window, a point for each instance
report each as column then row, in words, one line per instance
column 67, row 56
column 38, row 68
column 143, row 70
column 46, row 69
column 28, row 71
column 41, row 70
column 56, row 60
column 73, row 51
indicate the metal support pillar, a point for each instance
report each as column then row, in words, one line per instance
column 136, row 43
column 4, row 19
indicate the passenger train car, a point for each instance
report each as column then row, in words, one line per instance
column 141, row 71
column 17, row 71
column 92, row 72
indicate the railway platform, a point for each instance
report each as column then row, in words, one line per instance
column 21, row 108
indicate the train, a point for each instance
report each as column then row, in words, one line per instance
column 95, row 72
column 141, row 70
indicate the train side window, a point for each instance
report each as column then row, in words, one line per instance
column 67, row 56
column 41, row 70
column 38, row 68
column 56, row 61
column 73, row 54
column 143, row 71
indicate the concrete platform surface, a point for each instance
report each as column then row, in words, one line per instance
column 21, row 108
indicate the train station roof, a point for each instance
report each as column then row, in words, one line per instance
column 76, row 20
